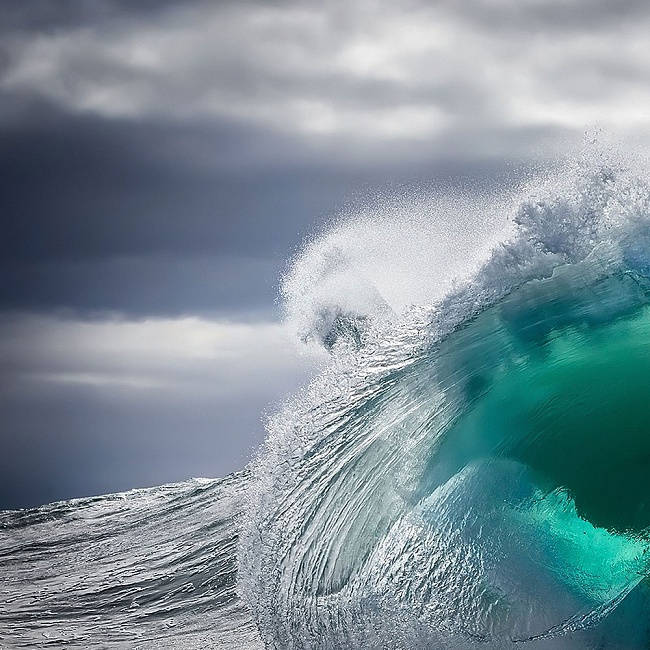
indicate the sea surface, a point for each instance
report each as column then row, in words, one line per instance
column 470, row 468
column 145, row 569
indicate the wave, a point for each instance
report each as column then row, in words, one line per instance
column 143, row 569
column 471, row 467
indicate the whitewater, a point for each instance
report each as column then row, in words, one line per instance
column 469, row 469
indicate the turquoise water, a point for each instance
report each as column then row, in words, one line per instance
column 580, row 416
column 567, row 400
column 571, row 402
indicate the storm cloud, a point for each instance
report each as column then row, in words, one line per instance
column 348, row 75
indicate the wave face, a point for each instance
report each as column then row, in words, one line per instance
column 475, row 472
column 146, row 569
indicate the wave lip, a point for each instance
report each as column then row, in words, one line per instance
column 476, row 473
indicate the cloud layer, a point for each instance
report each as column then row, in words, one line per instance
column 360, row 73
column 102, row 406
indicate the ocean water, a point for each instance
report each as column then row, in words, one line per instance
column 149, row 568
column 470, row 468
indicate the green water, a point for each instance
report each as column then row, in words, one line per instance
column 579, row 415
column 572, row 409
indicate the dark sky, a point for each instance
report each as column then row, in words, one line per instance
column 161, row 161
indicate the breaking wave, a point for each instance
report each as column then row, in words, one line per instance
column 473, row 465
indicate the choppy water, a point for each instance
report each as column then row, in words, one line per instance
column 151, row 568
column 471, row 469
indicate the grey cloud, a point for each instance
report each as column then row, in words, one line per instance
column 76, row 441
column 156, row 285
column 83, row 188
column 352, row 83
column 98, row 407
column 556, row 16
column 44, row 16
column 165, row 218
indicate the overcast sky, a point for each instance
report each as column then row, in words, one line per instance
column 162, row 160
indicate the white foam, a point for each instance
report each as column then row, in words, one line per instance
column 458, row 252
column 397, row 252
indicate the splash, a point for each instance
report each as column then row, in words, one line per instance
column 378, row 262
